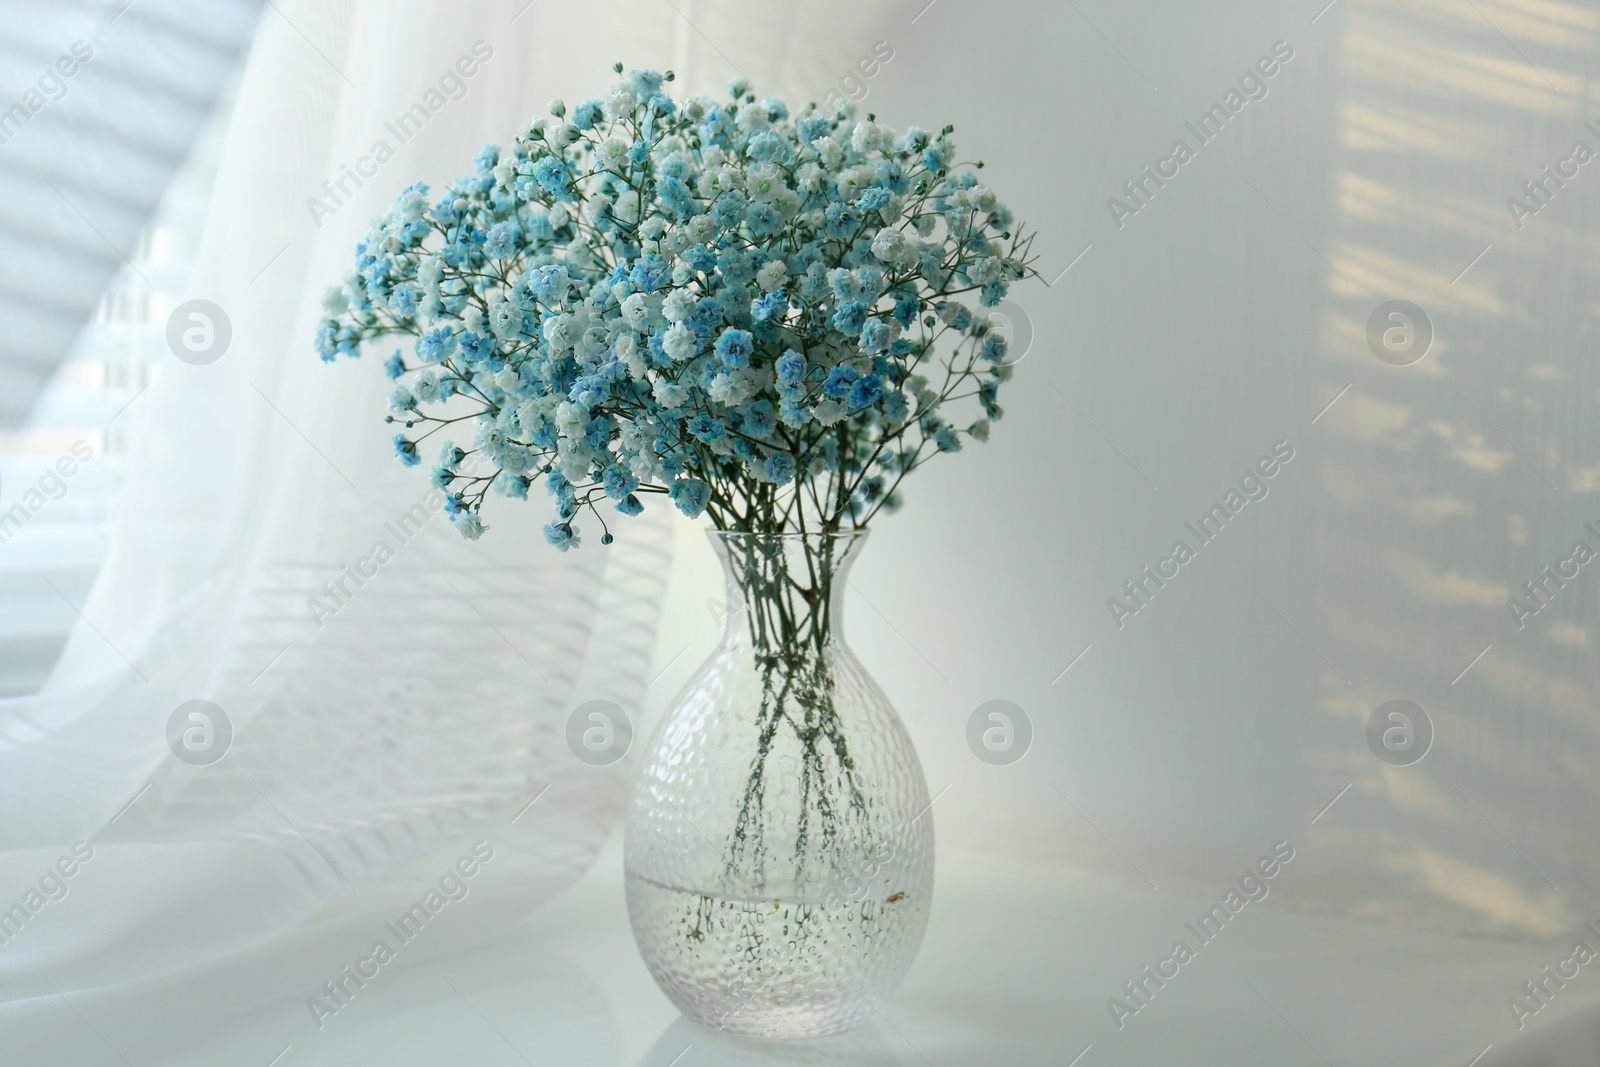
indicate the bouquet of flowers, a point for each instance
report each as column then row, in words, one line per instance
column 752, row 312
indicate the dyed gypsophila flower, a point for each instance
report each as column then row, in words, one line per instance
column 763, row 316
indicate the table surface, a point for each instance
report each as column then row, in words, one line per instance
column 1017, row 968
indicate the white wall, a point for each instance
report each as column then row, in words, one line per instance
column 1217, row 321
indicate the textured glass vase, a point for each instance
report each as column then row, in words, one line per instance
column 779, row 844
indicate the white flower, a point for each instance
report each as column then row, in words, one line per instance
column 731, row 388
column 424, row 387
column 772, row 276
column 830, row 152
column 679, row 342
column 610, row 153
column 764, row 183
column 632, row 357
column 669, row 394
column 867, row 138
column 679, row 305
column 892, row 247
column 752, row 117
column 334, row 300
column 595, row 208
column 620, row 104
column 701, row 229
column 810, row 177
column 830, row 411
column 574, row 456
column 558, row 331
column 506, row 321
column 472, row 318
column 571, row 419
column 636, row 311
column 400, row 398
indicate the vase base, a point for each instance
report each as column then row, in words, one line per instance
column 774, row 968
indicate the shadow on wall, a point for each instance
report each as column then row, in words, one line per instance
column 1458, row 463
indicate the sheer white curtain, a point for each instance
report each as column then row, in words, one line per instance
column 429, row 708
column 367, row 748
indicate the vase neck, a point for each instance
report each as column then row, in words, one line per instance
column 785, row 592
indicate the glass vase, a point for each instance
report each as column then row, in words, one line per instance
column 779, row 849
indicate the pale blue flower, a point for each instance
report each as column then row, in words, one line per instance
column 691, row 496
column 839, row 381
column 733, row 348
column 561, row 535
column 406, row 450
column 791, row 367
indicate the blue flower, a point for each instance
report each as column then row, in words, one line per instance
column 866, row 391
column 779, row 468
column 701, row 259
column 549, row 283
column 728, row 211
column 691, row 496
column 468, row 525
column 840, row 379
column 587, row 114
column 896, row 407
column 437, row 344
column 630, row 505
column 773, row 306
column 502, row 241
column 812, row 127
column 793, row 413
column 619, row 483
column 734, row 347
column 644, row 82
column 759, row 419
column 850, row 317
column 553, row 174
column 561, row 535
column 763, row 220
column 394, row 366
column 873, row 199
column 406, row 450
column 766, row 146
column 706, row 428
column 791, row 367
column 875, row 336
column 993, row 347
column 650, row 274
